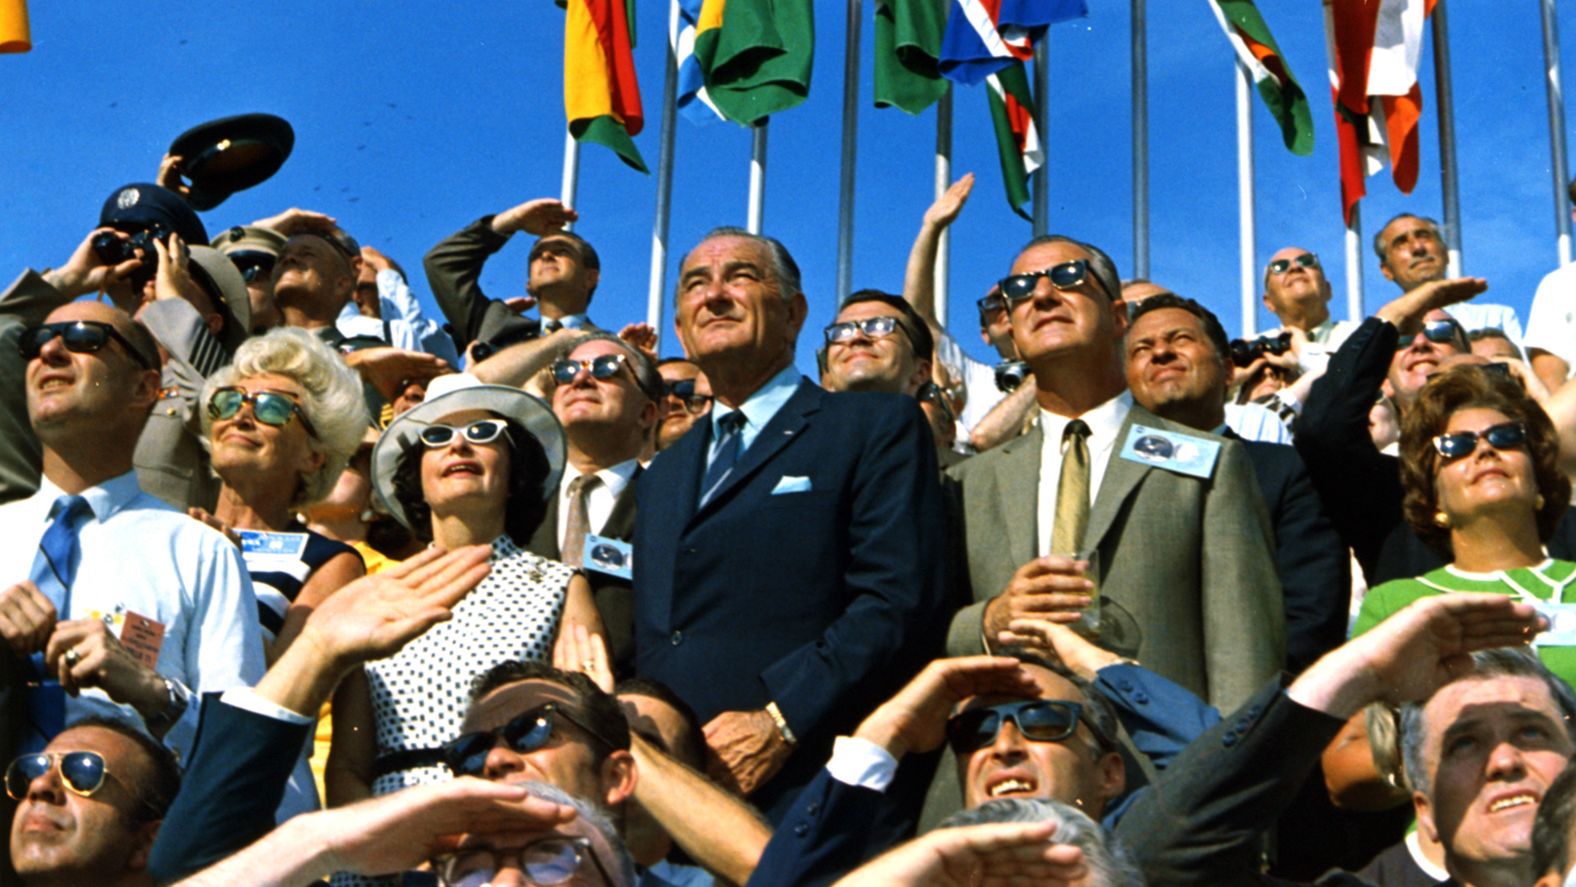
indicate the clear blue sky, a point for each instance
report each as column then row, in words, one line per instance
column 413, row 119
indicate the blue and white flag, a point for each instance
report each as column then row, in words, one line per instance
column 985, row 36
column 693, row 102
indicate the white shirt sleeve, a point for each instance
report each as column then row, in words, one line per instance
column 246, row 699
column 861, row 762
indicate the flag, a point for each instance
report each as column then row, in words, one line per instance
column 908, row 47
column 1017, row 136
column 986, row 36
column 14, row 33
column 693, row 102
column 1374, row 51
column 601, row 96
column 1259, row 53
column 756, row 55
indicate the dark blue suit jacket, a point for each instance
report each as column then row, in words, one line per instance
column 824, row 600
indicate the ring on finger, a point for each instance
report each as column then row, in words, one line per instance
column 73, row 657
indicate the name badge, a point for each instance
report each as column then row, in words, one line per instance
column 1171, row 450
column 1562, row 624
column 609, row 556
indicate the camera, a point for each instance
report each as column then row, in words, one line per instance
column 1010, row 374
column 113, row 250
column 1244, row 352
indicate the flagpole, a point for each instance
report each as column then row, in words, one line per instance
column 566, row 193
column 1042, row 80
column 845, row 183
column 1447, row 140
column 1555, row 85
column 943, row 181
column 1249, row 266
column 659, row 230
column 1354, row 266
column 1140, row 143
column 757, row 207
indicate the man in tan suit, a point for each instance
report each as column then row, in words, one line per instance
column 1185, row 566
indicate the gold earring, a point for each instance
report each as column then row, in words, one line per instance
column 1442, row 519
column 1537, row 504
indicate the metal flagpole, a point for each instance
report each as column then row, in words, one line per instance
column 1140, row 67
column 1354, row 266
column 943, row 181
column 845, row 181
column 1250, row 282
column 1447, row 140
column 757, row 206
column 659, row 230
column 1554, row 82
column 566, row 193
column 1042, row 80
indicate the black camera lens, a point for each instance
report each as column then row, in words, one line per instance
column 1010, row 374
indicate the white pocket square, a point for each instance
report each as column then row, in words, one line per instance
column 791, row 484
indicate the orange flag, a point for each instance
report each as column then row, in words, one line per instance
column 14, row 34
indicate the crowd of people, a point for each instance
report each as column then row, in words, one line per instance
column 299, row 583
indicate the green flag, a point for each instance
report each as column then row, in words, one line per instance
column 1017, row 136
column 756, row 55
column 1257, row 50
column 908, row 42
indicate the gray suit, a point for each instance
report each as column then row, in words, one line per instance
column 1188, row 585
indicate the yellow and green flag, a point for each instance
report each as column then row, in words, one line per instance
column 601, row 95
column 756, row 55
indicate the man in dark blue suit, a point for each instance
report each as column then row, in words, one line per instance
column 789, row 568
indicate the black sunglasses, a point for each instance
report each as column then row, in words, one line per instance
column 482, row 431
column 466, row 755
column 931, row 393
column 253, row 266
column 1504, row 436
column 1440, row 332
column 81, row 772
column 1042, row 720
column 603, row 366
column 547, row 861
column 1066, row 275
column 990, row 305
column 871, row 327
column 79, row 336
column 1306, row 260
column 684, row 390
column 269, row 407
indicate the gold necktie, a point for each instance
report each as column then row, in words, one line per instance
column 1072, row 494
column 575, row 532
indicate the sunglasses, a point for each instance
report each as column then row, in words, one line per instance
column 684, row 390
column 482, row 431
column 602, row 367
column 871, row 327
column 1440, row 332
column 268, row 407
column 548, row 861
column 254, row 266
column 466, row 755
column 79, row 336
column 82, row 772
column 1504, row 436
column 1306, row 260
column 1041, row 720
column 1017, row 287
column 931, row 393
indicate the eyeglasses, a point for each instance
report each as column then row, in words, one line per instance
column 548, row 861
column 1066, row 275
column 931, row 393
column 253, row 266
column 684, row 391
column 1306, row 260
column 871, row 327
column 1504, row 436
column 466, row 755
column 603, row 366
column 268, row 407
column 79, row 336
column 82, row 772
column 482, row 431
column 1042, row 720
column 1440, row 332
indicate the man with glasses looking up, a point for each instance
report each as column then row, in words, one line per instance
column 1297, row 292
column 686, row 399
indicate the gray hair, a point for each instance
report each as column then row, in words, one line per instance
column 1502, row 662
column 622, row 866
column 332, row 399
column 1102, row 265
column 1379, row 235
column 647, row 379
column 1108, row 864
column 784, row 269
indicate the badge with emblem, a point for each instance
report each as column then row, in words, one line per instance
column 609, row 556
column 1171, row 450
column 128, row 198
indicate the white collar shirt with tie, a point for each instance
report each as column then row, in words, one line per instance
column 1105, row 422
column 600, row 497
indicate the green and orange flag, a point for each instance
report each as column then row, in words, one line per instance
column 1017, row 137
column 601, row 95
column 1257, row 50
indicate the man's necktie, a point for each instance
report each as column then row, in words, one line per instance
column 54, row 569
column 1072, row 493
column 730, row 442
column 579, row 524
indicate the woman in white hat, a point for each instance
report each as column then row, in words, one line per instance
column 474, row 463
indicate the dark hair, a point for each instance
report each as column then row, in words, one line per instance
column 164, row 773
column 601, row 711
column 1551, row 829
column 1099, row 712
column 1212, row 328
column 692, row 741
column 526, row 503
column 913, row 325
column 588, row 256
column 668, row 360
column 1100, row 264
column 645, row 372
column 1465, row 387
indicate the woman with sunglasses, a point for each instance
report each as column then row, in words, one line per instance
column 473, row 463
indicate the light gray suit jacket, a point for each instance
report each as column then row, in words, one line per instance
column 1188, row 586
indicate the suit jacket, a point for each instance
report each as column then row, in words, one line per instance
column 1188, row 584
column 614, row 596
column 824, row 599
column 27, row 301
column 171, row 461
column 454, row 270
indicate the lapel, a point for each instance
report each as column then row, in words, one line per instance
column 1018, row 483
column 621, row 520
column 783, row 428
column 684, row 463
column 1120, row 479
column 544, row 541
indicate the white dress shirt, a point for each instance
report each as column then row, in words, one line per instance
column 1105, row 422
column 600, row 499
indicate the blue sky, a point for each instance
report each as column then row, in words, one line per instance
column 414, row 119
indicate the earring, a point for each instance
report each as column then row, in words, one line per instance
column 1442, row 519
column 1537, row 504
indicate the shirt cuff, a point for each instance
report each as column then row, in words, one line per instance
column 246, row 699
column 861, row 762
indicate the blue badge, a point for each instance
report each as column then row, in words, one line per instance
column 266, row 544
column 609, row 556
column 1171, row 450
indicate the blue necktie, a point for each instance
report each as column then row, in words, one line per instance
column 54, row 569
column 730, row 430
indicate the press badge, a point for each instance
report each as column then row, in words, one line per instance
column 609, row 556
column 1562, row 624
column 1171, row 450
